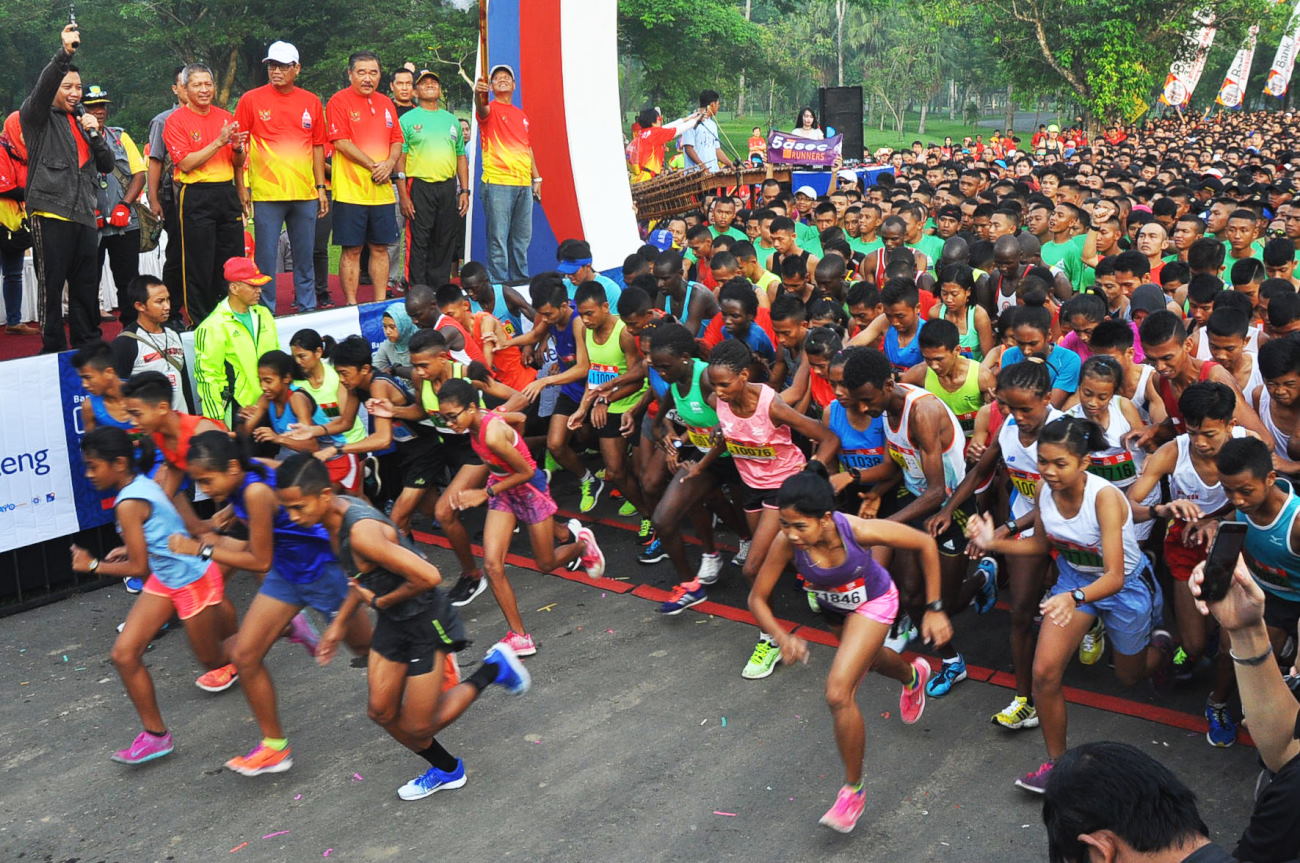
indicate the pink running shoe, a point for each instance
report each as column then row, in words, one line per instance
column 522, row 645
column 218, row 679
column 911, row 701
column 844, row 815
column 593, row 559
column 1035, row 782
column 302, row 632
column 145, row 747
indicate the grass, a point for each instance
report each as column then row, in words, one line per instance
column 737, row 130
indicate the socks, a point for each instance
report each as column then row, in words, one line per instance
column 912, row 684
column 954, row 660
column 279, row 744
column 856, row 789
column 484, row 676
column 438, row 757
column 156, row 733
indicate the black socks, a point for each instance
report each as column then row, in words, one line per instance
column 485, row 676
column 438, row 757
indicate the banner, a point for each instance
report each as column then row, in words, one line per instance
column 1185, row 73
column 1232, row 91
column 784, row 148
column 1279, row 74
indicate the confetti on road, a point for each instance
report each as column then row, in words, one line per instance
column 328, row 852
column 610, row 631
column 548, row 607
column 724, row 722
column 240, row 847
column 276, row 833
column 357, row 777
column 65, row 657
column 297, row 797
column 728, row 814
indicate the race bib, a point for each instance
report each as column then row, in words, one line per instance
column 905, row 459
column 701, row 439
column 967, row 422
column 1114, row 468
column 845, row 598
column 1025, row 483
column 600, row 374
column 754, row 452
column 860, row 459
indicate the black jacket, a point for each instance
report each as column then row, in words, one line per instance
column 55, row 182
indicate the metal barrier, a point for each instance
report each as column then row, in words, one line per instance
column 41, row 573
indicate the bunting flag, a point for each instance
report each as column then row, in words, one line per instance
column 1186, row 72
column 1279, row 74
column 1233, row 90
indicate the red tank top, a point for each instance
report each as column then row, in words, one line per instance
column 1166, row 390
column 178, row 458
column 493, row 461
column 473, row 346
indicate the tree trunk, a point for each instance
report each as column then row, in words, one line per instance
column 740, row 89
column 952, row 99
column 925, row 109
column 1009, row 114
column 839, row 41
column 771, row 95
column 228, row 78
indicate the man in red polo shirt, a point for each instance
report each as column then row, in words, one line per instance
column 367, row 141
column 510, row 179
column 206, row 147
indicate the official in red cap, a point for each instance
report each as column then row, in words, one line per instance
column 229, row 342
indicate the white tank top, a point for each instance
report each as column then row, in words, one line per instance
column 1186, row 484
column 1203, row 342
column 907, row 455
column 1281, row 439
column 1078, row 539
column 1022, row 463
column 1116, row 464
column 1140, row 394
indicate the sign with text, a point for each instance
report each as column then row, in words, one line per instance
column 784, row 148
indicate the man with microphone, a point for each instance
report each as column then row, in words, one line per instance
column 66, row 155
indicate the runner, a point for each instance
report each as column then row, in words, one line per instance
column 415, row 626
column 187, row 586
column 1278, row 400
column 957, row 305
column 298, row 569
column 1089, row 526
column 148, row 397
column 103, row 405
column 516, row 492
column 311, row 352
column 832, row 553
column 959, row 381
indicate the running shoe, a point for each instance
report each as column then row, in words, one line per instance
column 145, row 747
column 550, row 465
column 911, row 701
column 263, row 759
column 684, row 596
column 433, row 780
column 950, row 674
column 900, row 633
column 627, row 508
column 511, row 673
column 652, row 553
column 987, row 596
column 1222, row 731
column 1184, row 668
column 466, row 588
column 1018, row 714
column 1164, row 642
column 848, row 808
column 218, row 679
column 589, row 492
column 710, row 568
column 1035, row 781
column 522, row 645
column 762, row 662
column 133, row 585
column 301, row 631
column 646, row 532
column 593, row 559
column 742, row 553
column 1093, row 644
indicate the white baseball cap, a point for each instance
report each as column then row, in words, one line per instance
column 808, row 191
column 281, row 52
column 499, row 67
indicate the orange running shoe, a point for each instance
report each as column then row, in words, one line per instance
column 218, row 679
column 263, row 759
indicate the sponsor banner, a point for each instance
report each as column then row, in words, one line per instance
column 93, row 506
column 36, row 495
column 1279, row 74
column 1232, row 92
column 371, row 323
column 784, row 148
column 1185, row 73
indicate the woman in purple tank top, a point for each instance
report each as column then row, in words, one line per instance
column 832, row 553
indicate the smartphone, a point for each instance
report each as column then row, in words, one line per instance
column 1222, row 560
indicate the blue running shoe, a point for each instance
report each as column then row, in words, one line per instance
column 684, row 596
column 652, row 553
column 951, row 672
column 133, row 585
column 433, row 780
column 1222, row 731
column 988, row 594
column 511, row 674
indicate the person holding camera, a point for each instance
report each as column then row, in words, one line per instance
column 66, row 153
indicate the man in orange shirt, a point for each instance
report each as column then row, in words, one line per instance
column 207, row 148
column 367, row 141
column 286, row 171
column 509, row 172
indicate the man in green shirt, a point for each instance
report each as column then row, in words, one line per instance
column 432, row 183
column 229, row 342
column 1064, row 250
column 722, row 220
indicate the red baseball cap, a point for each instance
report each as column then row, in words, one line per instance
column 244, row 270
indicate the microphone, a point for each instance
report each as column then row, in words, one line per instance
column 80, row 111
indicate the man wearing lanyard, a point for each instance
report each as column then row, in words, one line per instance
column 509, row 171
column 433, row 160
column 119, row 189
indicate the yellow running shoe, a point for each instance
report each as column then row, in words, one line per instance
column 1093, row 644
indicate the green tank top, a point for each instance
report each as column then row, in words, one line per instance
column 607, row 363
column 429, row 399
column 968, row 343
column 327, row 398
column 694, row 410
column 966, row 401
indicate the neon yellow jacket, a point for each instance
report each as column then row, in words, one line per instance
column 225, row 359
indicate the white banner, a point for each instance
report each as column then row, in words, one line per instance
column 1233, row 89
column 1279, row 74
column 1185, row 73
column 36, row 496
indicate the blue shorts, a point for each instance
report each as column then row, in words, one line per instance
column 1129, row 615
column 359, row 224
column 325, row 594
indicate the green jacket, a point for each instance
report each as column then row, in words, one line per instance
column 225, row 359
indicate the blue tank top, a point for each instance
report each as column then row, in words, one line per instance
column 859, row 450
column 103, row 417
column 566, row 352
column 657, row 382
column 686, row 307
column 903, row 358
column 858, row 565
column 501, row 311
column 299, row 554
column 1269, row 553
column 172, row 569
column 282, row 418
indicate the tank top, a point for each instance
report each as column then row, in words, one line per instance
column 494, row 462
column 1116, row 464
column 1281, row 439
column 566, row 354
column 501, row 311
column 1140, row 393
column 178, row 457
column 299, row 554
column 763, row 452
column 429, row 401
column 685, row 311
column 381, row 580
column 965, row 401
column 327, row 399
column 1203, row 342
column 1077, row 540
column 172, row 569
column 694, row 410
column 608, row 362
column 903, row 357
column 103, row 417
column 1006, row 301
column 473, row 349
column 1166, row 391
column 906, row 454
column 1269, row 552
column 860, row 578
column 968, row 343
column 281, row 417
column 508, row 363
column 1185, row 482
column 859, row 449
column 1022, row 463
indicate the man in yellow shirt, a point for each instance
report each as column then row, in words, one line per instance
column 119, row 189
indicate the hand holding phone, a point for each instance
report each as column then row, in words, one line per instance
column 1222, row 560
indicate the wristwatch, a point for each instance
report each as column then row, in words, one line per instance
column 205, row 552
column 1011, row 526
column 937, row 605
column 1078, row 597
column 463, row 192
column 93, row 565
column 399, row 175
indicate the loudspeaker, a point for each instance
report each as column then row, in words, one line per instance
column 841, row 107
